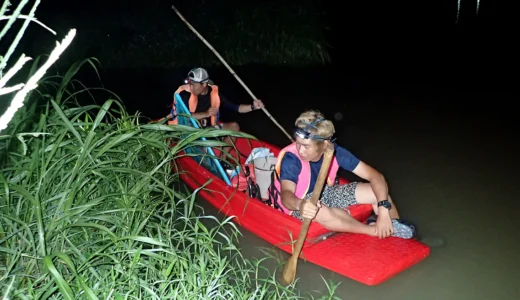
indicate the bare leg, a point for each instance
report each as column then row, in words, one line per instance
column 333, row 216
column 365, row 195
column 336, row 219
column 229, row 126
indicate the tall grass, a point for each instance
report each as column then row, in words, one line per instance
column 89, row 209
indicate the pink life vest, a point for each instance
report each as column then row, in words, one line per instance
column 304, row 178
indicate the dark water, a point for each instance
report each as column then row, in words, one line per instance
column 426, row 101
column 448, row 148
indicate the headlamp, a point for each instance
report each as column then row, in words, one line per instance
column 305, row 133
column 190, row 81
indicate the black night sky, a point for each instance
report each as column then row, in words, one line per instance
column 408, row 54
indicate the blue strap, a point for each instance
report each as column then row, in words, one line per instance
column 182, row 108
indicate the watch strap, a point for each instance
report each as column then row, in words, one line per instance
column 384, row 203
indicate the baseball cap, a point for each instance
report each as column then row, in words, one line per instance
column 198, row 75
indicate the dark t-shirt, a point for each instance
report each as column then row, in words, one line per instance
column 291, row 166
column 204, row 103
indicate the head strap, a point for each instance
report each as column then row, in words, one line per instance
column 312, row 124
column 306, row 133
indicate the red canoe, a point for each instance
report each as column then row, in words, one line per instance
column 362, row 258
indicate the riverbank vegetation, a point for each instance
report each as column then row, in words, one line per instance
column 90, row 207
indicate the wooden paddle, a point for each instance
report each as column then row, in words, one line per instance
column 230, row 70
column 289, row 270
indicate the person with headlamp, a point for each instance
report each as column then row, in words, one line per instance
column 296, row 172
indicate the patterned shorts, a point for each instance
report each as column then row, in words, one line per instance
column 338, row 196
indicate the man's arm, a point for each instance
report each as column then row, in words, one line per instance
column 290, row 169
column 245, row 108
column 289, row 199
column 351, row 163
column 228, row 105
column 200, row 115
column 376, row 179
column 240, row 108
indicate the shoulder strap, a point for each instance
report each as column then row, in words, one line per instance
column 273, row 192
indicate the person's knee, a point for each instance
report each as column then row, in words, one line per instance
column 234, row 126
column 326, row 218
column 364, row 194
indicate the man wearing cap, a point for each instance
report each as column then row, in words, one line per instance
column 204, row 102
column 296, row 173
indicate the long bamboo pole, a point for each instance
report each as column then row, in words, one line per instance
column 230, row 70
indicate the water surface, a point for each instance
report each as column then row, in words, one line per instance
column 450, row 161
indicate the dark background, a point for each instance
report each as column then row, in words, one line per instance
column 388, row 54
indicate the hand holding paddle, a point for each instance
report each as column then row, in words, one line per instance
column 289, row 271
column 230, row 70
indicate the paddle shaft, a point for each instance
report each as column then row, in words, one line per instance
column 290, row 268
column 230, row 70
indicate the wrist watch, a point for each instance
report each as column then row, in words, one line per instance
column 385, row 203
column 252, row 106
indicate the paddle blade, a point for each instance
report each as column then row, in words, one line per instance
column 289, row 271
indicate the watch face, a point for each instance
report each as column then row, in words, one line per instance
column 385, row 203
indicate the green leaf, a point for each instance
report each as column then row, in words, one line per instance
column 63, row 286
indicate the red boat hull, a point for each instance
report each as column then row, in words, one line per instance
column 362, row 258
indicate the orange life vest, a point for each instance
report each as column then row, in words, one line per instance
column 193, row 102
